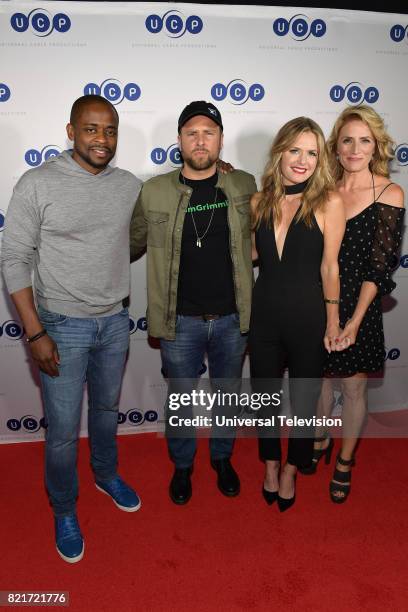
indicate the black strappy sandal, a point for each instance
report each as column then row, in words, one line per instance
column 343, row 484
column 318, row 453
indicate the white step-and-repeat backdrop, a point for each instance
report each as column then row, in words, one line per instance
column 260, row 65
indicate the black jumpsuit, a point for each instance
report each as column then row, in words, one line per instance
column 288, row 323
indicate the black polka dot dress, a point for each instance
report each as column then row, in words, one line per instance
column 368, row 253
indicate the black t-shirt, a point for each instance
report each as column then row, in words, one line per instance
column 205, row 277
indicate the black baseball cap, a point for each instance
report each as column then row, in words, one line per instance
column 200, row 107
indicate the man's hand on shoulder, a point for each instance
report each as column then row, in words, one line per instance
column 224, row 167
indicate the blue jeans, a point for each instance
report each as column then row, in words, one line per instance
column 183, row 357
column 91, row 351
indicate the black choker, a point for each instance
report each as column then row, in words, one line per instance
column 298, row 188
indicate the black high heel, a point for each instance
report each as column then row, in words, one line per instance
column 318, row 453
column 285, row 503
column 343, row 485
column 269, row 496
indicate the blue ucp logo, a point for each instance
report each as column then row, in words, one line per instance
column 12, row 330
column 2, row 219
column 174, row 24
column 299, row 27
column 398, row 33
column 401, row 154
column 172, row 153
column 5, row 92
column 392, row 354
column 40, row 22
column 237, row 91
column 27, row 423
column 140, row 324
column 354, row 93
column 400, row 261
column 137, row 417
column 114, row 91
column 35, row 157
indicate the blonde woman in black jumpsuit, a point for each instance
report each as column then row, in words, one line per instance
column 299, row 224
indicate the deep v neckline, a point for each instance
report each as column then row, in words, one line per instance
column 280, row 257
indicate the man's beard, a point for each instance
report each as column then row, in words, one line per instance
column 202, row 163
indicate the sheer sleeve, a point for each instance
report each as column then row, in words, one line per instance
column 385, row 246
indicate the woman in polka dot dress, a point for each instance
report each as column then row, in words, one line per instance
column 361, row 151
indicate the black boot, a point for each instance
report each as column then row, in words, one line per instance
column 228, row 481
column 180, row 486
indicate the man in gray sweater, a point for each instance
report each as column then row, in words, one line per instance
column 68, row 225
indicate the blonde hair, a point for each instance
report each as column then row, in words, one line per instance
column 384, row 144
column 273, row 190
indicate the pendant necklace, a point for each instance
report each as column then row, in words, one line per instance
column 200, row 238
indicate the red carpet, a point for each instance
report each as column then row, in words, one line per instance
column 215, row 553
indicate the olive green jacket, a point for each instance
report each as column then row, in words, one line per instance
column 157, row 222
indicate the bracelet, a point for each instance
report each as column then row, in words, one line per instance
column 331, row 301
column 37, row 336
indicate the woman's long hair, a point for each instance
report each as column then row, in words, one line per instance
column 384, row 144
column 319, row 185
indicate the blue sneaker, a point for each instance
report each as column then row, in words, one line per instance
column 124, row 496
column 68, row 538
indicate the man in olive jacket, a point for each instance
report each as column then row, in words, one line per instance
column 197, row 227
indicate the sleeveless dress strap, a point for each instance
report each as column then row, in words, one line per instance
column 380, row 194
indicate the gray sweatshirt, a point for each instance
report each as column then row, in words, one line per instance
column 71, row 228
